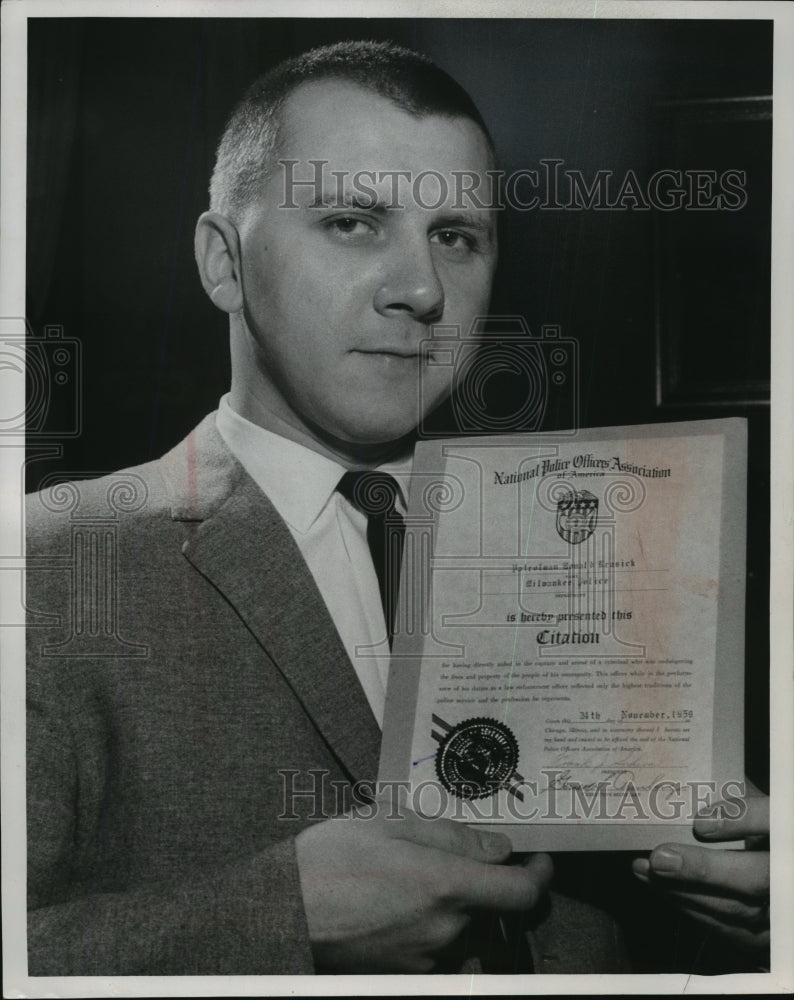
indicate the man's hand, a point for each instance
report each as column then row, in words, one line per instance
column 728, row 890
column 387, row 895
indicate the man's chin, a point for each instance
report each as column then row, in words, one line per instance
column 363, row 440
column 387, row 438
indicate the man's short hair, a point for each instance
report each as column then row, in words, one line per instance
column 247, row 150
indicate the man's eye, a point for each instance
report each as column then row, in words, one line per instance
column 451, row 239
column 349, row 225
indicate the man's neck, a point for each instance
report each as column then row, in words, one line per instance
column 349, row 454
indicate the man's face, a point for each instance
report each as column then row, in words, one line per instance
column 339, row 296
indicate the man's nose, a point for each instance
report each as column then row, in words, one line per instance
column 411, row 285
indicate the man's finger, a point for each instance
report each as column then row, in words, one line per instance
column 744, row 873
column 733, row 912
column 728, row 909
column 753, row 822
column 506, row 888
column 455, row 838
column 755, row 933
column 541, row 868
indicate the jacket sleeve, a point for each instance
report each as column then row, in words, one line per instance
column 240, row 918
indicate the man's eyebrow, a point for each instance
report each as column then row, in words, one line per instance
column 447, row 218
column 481, row 221
column 347, row 199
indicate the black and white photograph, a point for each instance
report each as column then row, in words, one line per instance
column 396, row 552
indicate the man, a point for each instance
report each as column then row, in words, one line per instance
column 205, row 626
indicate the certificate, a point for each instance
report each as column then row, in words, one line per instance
column 568, row 662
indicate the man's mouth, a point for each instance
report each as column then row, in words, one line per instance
column 389, row 352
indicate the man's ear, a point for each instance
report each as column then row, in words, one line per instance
column 217, row 245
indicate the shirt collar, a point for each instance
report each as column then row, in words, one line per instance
column 298, row 481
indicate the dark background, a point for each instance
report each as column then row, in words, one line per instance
column 670, row 311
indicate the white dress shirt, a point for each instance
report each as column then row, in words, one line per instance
column 330, row 533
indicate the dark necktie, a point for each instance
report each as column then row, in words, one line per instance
column 375, row 494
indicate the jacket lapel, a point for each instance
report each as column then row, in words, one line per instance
column 247, row 552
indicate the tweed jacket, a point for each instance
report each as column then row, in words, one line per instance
column 183, row 671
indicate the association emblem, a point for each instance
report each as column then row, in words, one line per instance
column 577, row 515
column 476, row 758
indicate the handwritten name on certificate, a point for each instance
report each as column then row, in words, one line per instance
column 568, row 662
